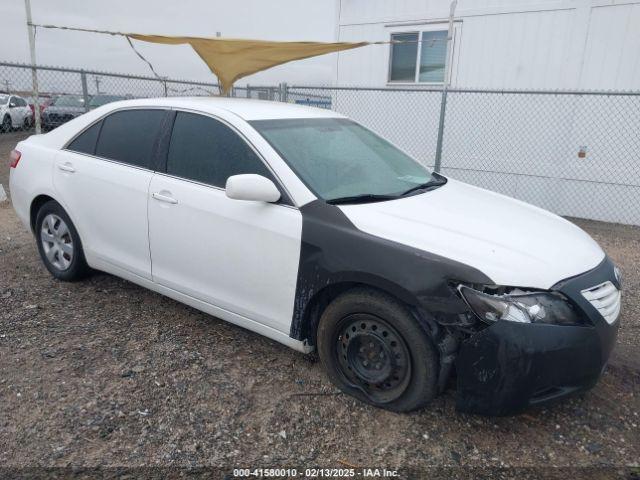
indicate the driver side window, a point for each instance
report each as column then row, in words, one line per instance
column 208, row 151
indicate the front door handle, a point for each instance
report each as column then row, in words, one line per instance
column 66, row 167
column 164, row 198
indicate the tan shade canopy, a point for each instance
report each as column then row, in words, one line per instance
column 231, row 60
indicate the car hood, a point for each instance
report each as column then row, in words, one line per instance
column 510, row 241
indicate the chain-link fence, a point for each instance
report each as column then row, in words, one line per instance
column 574, row 153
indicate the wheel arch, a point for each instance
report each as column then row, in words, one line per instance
column 35, row 206
column 323, row 297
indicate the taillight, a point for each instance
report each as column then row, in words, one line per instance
column 14, row 158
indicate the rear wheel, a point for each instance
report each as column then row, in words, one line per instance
column 7, row 126
column 27, row 124
column 59, row 244
column 373, row 348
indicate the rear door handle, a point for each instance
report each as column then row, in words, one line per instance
column 164, row 198
column 66, row 167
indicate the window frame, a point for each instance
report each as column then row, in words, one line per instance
column 286, row 199
column 420, row 29
column 154, row 163
column 158, row 163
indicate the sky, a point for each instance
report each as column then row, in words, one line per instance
column 256, row 19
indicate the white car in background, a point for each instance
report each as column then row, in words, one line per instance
column 14, row 113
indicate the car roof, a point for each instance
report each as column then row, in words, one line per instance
column 247, row 109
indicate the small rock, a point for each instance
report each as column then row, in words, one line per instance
column 594, row 447
column 283, row 434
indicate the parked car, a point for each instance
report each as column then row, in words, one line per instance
column 62, row 109
column 304, row 226
column 43, row 101
column 14, row 113
column 99, row 100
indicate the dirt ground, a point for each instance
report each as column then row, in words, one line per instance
column 105, row 373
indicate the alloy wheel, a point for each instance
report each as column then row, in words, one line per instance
column 57, row 243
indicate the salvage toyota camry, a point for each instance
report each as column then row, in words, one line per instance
column 304, row 226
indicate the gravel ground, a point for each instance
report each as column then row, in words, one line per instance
column 105, row 373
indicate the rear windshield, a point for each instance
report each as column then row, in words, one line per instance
column 99, row 100
column 69, row 101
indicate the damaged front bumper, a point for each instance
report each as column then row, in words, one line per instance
column 510, row 366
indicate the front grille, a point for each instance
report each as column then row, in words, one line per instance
column 606, row 299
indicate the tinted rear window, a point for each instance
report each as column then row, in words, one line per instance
column 86, row 141
column 129, row 136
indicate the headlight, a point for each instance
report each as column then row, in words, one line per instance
column 521, row 307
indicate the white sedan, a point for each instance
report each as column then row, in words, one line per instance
column 14, row 113
column 304, row 226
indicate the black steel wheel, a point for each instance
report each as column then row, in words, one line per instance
column 374, row 349
column 373, row 356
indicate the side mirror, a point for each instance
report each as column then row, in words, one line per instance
column 12, row 105
column 252, row 187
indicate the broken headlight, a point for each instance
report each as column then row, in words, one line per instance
column 520, row 306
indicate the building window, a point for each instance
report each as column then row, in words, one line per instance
column 418, row 62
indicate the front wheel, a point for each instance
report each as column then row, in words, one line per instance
column 59, row 244
column 373, row 348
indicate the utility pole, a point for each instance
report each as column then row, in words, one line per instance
column 34, row 72
column 445, row 87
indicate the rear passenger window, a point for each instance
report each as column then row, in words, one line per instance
column 208, row 151
column 129, row 136
column 86, row 141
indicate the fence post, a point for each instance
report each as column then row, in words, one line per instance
column 164, row 86
column 34, row 72
column 283, row 92
column 85, row 90
column 443, row 110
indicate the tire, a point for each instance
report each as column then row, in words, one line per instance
column 373, row 349
column 26, row 125
column 59, row 244
column 7, row 125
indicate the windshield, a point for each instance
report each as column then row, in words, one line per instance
column 69, row 101
column 338, row 159
column 99, row 100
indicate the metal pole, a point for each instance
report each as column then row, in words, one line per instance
column 164, row 85
column 443, row 109
column 283, row 92
column 34, row 73
column 450, row 33
column 85, row 90
column 445, row 87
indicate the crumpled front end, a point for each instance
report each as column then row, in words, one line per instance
column 510, row 366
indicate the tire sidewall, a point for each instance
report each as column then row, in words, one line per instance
column 424, row 359
column 78, row 267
